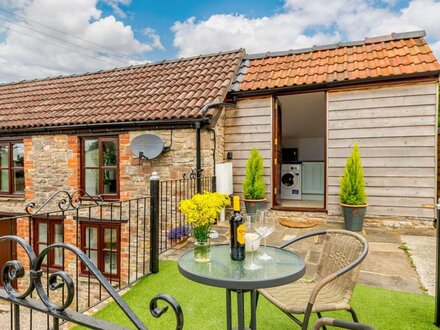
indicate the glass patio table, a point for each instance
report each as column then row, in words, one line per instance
column 284, row 267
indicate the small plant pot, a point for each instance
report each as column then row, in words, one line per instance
column 202, row 251
column 354, row 216
column 253, row 205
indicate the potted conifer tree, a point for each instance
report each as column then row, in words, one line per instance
column 352, row 192
column 254, row 187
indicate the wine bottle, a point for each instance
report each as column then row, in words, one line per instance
column 237, row 229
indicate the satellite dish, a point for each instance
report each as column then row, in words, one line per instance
column 147, row 146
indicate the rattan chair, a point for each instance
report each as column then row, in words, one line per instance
column 332, row 286
column 322, row 322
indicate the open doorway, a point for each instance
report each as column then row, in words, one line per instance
column 301, row 167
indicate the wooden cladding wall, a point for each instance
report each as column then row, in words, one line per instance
column 438, row 165
column 249, row 125
column 396, row 129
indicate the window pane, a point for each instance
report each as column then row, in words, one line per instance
column 4, row 159
column 18, row 181
column 92, row 182
column 41, row 247
column 58, row 257
column 91, row 153
column 110, row 264
column 109, row 177
column 93, row 256
column 91, row 237
column 4, row 180
column 58, row 233
column 110, row 238
column 18, row 154
column 109, row 153
column 42, row 232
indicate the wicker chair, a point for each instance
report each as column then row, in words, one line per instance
column 322, row 322
column 332, row 286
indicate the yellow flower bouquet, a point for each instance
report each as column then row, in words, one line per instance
column 201, row 212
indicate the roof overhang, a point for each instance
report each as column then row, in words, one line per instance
column 107, row 128
column 431, row 75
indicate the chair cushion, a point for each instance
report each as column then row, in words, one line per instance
column 294, row 297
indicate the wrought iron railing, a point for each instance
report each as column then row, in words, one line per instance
column 173, row 228
column 59, row 231
column 62, row 282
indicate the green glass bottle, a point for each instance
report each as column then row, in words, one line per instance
column 237, row 230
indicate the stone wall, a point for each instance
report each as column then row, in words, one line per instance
column 52, row 163
column 370, row 220
column 172, row 165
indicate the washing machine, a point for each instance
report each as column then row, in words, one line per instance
column 290, row 181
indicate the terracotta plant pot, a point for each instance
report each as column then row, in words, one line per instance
column 354, row 216
column 253, row 205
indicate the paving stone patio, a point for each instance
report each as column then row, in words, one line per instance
column 386, row 266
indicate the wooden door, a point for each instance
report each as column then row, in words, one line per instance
column 7, row 248
column 276, row 151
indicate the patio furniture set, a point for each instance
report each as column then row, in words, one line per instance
column 280, row 279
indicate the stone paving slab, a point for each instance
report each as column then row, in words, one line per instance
column 423, row 251
column 386, row 266
column 388, row 263
column 393, row 282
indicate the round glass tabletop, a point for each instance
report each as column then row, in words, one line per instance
column 284, row 267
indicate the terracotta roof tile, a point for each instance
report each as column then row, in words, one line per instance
column 166, row 90
column 398, row 54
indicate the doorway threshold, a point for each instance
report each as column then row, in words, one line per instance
column 298, row 209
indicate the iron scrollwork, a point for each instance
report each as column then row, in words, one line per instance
column 156, row 311
column 66, row 201
column 191, row 175
column 14, row 270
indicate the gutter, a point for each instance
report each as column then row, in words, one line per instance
column 204, row 111
column 154, row 124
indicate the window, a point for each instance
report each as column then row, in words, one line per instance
column 11, row 168
column 47, row 232
column 101, row 243
column 100, row 167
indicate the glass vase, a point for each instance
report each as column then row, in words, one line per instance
column 202, row 251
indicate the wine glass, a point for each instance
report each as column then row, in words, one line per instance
column 265, row 227
column 252, row 238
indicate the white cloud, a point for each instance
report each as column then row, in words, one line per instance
column 108, row 31
column 13, row 4
column 304, row 23
column 223, row 32
column 27, row 54
column 436, row 49
column 115, row 5
column 154, row 37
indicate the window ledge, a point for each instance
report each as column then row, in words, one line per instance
column 12, row 198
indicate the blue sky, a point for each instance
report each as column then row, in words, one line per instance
column 161, row 16
column 42, row 38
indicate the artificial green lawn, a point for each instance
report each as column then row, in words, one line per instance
column 204, row 306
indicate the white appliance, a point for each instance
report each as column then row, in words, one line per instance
column 290, row 181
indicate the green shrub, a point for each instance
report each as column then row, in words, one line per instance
column 352, row 184
column 253, row 184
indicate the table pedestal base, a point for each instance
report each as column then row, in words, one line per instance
column 240, row 309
